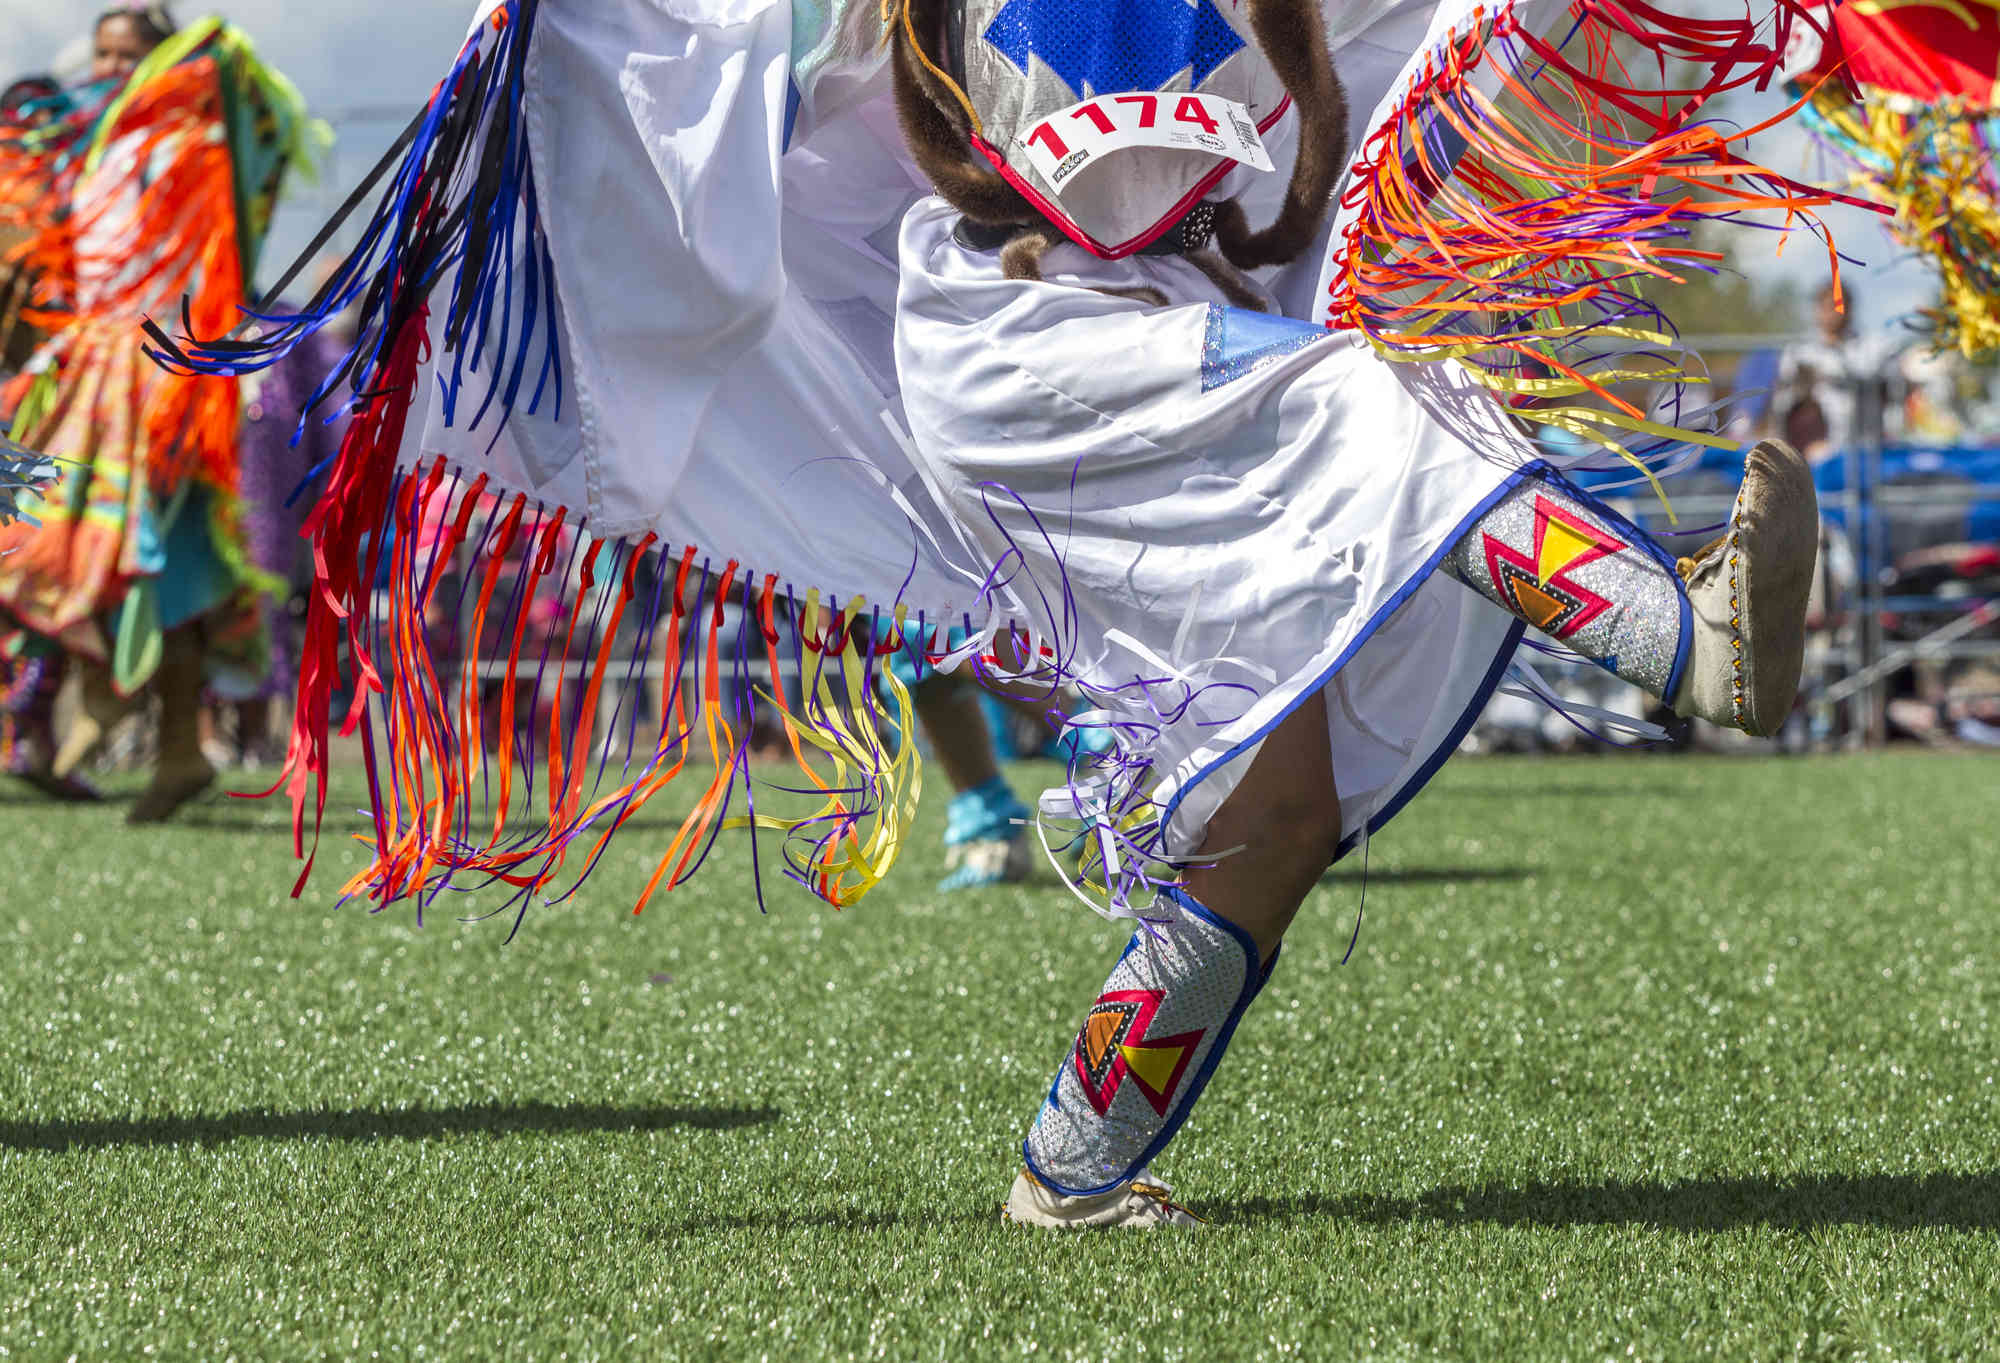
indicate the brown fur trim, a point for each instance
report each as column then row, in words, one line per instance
column 1021, row 257
column 1293, row 36
column 934, row 127
column 926, row 19
column 1238, row 290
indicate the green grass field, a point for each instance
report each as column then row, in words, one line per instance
column 1656, row 1059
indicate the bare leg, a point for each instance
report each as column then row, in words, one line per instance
column 949, row 711
column 253, row 723
column 1285, row 817
column 985, row 828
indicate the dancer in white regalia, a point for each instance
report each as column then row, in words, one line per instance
column 1109, row 346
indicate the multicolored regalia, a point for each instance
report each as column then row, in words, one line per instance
column 1906, row 93
column 1184, row 355
column 133, row 199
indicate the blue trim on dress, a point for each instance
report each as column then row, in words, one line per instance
column 1236, row 343
column 1532, row 469
column 1443, row 752
column 793, row 98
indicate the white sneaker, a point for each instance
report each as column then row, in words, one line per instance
column 1748, row 591
column 986, row 862
column 1143, row 1204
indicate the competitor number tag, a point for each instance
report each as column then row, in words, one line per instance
column 1065, row 142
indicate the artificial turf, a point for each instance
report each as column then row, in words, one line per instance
column 1653, row 1059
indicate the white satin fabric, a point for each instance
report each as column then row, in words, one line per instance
column 739, row 354
column 1247, row 534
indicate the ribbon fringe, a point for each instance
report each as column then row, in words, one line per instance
column 1934, row 167
column 461, row 196
column 498, row 670
column 1516, row 214
column 488, row 646
column 459, row 797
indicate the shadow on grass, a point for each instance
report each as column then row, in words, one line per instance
column 413, row 1124
column 1895, row 1201
column 830, row 1218
column 1347, row 874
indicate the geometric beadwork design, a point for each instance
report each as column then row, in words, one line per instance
column 1113, row 1047
column 1539, row 588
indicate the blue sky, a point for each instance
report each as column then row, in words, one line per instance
column 377, row 60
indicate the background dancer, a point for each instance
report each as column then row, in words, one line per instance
column 152, row 183
column 986, row 825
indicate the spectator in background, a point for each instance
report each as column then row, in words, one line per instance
column 1936, row 386
column 1816, row 406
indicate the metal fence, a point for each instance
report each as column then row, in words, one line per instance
column 1887, row 627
